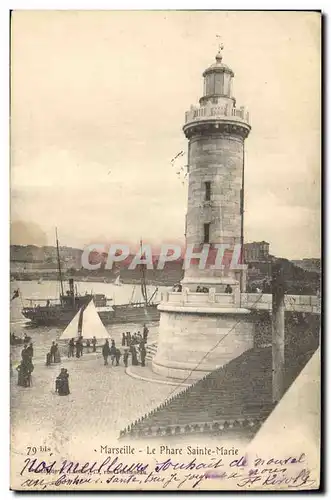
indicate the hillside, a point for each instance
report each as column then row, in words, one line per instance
column 29, row 262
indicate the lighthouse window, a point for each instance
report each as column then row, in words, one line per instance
column 219, row 83
column 227, row 85
column 206, row 228
column 210, row 84
column 207, row 191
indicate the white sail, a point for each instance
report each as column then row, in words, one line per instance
column 92, row 325
column 117, row 282
column 71, row 330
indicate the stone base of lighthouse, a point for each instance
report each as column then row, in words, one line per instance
column 196, row 340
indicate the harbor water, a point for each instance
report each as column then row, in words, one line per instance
column 42, row 336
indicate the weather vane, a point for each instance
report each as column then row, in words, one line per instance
column 220, row 44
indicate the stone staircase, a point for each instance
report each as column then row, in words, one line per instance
column 235, row 398
column 151, row 351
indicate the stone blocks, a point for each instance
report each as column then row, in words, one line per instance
column 193, row 344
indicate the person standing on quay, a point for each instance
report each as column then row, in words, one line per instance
column 118, row 355
column 77, row 346
column 134, row 355
column 48, row 359
column 25, row 370
column 105, row 352
column 142, row 353
column 145, row 333
column 88, row 345
column 25, row 354
column 29, row 350
column 94, row 344
column 71, row 348
column 62, row 383
column 126, row 357
column 112, row 352
column 20, row 379
column 81, row 345
column 53, row 351
column 57, row 356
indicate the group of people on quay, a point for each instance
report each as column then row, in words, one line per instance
column 25, row 368
column 136, row 338
column 136, row 351
column 134, row 346
column 76, row 348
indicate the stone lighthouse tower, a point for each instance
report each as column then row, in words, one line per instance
column 216, row 132
column 200, row 331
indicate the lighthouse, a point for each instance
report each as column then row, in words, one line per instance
column 203, row 326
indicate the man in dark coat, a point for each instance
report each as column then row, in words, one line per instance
column 142, row 354
column 105, row 352
column 29, row 350
column 145, row 333
column 118, row 355
column 81, row 345
column 112, row 352
column 71, row 348
column 77, row 346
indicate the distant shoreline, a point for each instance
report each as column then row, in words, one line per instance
column 84, row 279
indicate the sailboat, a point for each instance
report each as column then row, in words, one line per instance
column 118, row 282
column 87, row 324
column 138, row 311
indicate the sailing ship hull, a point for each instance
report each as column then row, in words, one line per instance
column 125, row 313
column 131, row 313
column 47, row 316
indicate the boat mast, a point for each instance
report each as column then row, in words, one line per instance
column 133, row 290
column 59, row 263
column 143, row 279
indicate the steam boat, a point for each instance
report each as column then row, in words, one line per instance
column 63, row 310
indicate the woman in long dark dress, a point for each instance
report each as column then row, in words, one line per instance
column 62, row 383
column 65, row 384
column 48, row 359
column 25, row 368
column 57, row 355
column 134, row 356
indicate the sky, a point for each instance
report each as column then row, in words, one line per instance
column 98, row 100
